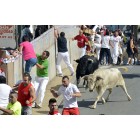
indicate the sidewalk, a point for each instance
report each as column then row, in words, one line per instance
column 55, row 83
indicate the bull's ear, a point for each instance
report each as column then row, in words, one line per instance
column 85, row 77
column 77, row 61
column 99, row 78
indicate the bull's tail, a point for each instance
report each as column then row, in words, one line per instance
column 123, row 68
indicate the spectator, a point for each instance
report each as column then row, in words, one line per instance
column 53, row 107
column 4, row 93
column 51, row 26
column 97, row 44
column 11, row 53
column 130, row 49
column 120, row 48
column 26, row 95
column 20, row 81
column 28, row 54
column 26, row 32
column 62, row 53
column 115, row 44
column 42, row 78
column 11, row 56
column 81, row 40
column 70, row 92
column 2, row 73
column 38, row 31
column 105, row 48
column 14, row 107
column 94, row 28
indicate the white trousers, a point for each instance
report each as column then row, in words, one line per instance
column 66, row 59
column 98, row 49
column 40, row 88
column 115, row 54
column 120, row 50
column 111, row 52
column 82, row 51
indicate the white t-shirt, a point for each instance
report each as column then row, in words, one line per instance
column 69, row 101
column 115, row 41
column 4, row 94
column 98, row 38
column 95, row 27
column 105, row 42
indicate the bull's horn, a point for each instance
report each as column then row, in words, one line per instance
column 85, row 77
column 90, row 60
column 123, row 68
column 77, row 61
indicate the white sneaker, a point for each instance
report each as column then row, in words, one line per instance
column 38, row 106
column 33, row 104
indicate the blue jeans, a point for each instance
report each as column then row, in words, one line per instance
column 26, row 110
column 29, row 64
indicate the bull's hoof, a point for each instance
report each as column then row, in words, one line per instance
column 92, row 107
column 106, row 99
column 103, row 101
column 129, row 98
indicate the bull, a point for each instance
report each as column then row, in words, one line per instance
column 86, row 65
column 105, row 79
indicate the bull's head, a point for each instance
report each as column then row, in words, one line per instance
column 84, row 65
column 93, row 81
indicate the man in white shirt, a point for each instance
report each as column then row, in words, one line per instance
column 94, row 31
column 115, row 44
column 70, row 92
column 4, row 93
column 105, row 48
column 97, row 44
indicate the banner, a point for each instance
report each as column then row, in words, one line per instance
column 7, row 36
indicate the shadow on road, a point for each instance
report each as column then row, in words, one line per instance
column 119, row 101
column 131, row 76
column 86, row 104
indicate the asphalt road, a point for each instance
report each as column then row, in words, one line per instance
column 118, row 103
